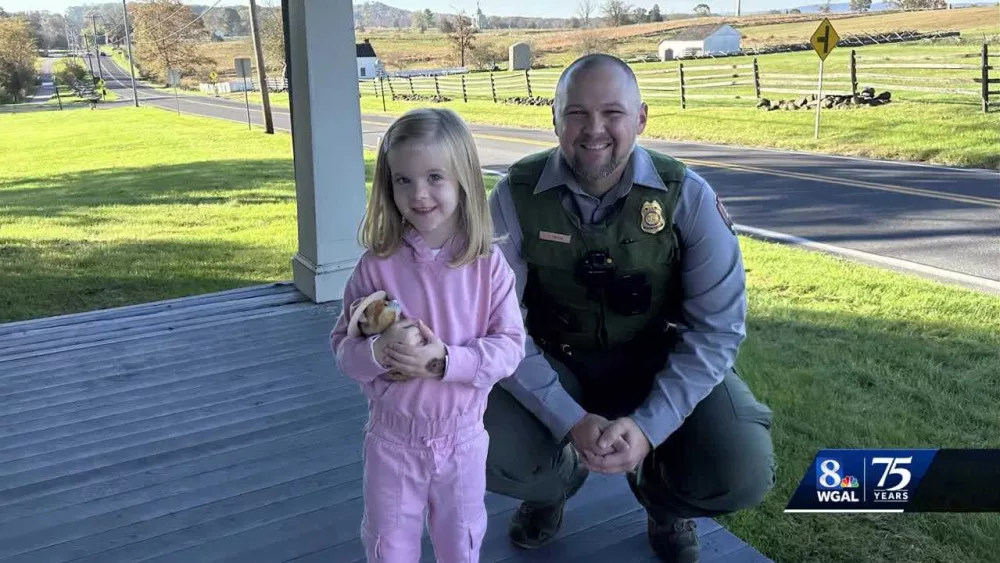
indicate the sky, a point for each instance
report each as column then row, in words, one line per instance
column 530, row 8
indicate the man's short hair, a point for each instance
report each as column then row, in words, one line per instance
column 595, row 60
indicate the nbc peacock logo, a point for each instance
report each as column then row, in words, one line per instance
column 849, row 482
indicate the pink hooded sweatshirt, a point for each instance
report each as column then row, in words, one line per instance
column 473, row 309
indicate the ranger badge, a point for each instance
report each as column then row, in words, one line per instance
column 652, row 217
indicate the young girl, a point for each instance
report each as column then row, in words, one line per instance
column 429, row 244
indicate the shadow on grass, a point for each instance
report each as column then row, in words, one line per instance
column 195, row 183
column 843, row 380
column 45, row 278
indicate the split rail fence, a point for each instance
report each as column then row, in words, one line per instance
column 963, row 78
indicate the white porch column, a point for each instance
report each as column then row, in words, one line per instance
column 326, row 137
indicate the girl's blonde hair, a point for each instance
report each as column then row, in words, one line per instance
column 383, row 226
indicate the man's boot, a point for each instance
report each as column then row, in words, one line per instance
column 675, row 540
column 535, row 524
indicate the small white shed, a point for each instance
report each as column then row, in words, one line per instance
column 699, row 40
column 367, row 60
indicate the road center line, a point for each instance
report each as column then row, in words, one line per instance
column 798, row 175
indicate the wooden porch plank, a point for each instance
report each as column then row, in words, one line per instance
column 46, row 468
column 176, row 511
column 109, row 328
column 140, row 338
column 56, row 478
column 163, row 348
column 40, row 349
column 173, row 495
column 103, row 387
column 165, row 537
column 146, row 308
column 230, row 387
column 78, row 436
column 240, row 462
column 191, row 429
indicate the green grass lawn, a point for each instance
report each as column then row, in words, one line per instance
column 160, row 206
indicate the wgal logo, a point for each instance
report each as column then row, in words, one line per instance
column 834, row 483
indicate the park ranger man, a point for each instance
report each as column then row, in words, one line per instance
column 631, row 277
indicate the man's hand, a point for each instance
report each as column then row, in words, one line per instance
column 635, row 447
column 585, row 435
column 425, row 360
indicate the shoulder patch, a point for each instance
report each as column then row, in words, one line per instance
column 724, row 213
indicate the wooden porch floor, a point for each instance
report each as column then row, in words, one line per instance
column 216, row 428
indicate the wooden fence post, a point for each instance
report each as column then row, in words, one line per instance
column 392, row 92
column 854, row 73
column 680, row 72
column 465, row 97
column 493, row 87
column 375, row 87
column 412, row 91
column 986, row 79
column 437, row 88
column 756, row 78
column 527, row 81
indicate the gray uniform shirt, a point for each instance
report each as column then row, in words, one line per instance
column 714, row 301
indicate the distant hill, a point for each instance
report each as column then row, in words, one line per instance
column 376, row 14
column 845, row 7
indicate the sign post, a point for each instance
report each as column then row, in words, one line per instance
column 173, row 79
column 214, row 77
column 823, row 40
column 243, row 70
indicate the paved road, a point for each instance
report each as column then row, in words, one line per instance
column 47, row 90
column 943, row 221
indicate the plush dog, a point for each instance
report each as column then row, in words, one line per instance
column 373, row 315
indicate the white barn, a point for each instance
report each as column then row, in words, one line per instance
column 700, row 40
column 367, row 60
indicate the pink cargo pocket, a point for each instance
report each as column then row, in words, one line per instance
column 477, row 531
column 372, row 542
column 382, row 484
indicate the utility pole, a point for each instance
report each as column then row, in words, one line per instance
column 97, row 52
column 261, row 74
column 128, row 42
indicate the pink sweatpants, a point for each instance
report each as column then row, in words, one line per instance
column 416, row 469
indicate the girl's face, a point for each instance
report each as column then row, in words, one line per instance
column 424, row 191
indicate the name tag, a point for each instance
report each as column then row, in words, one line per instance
column 554, row 237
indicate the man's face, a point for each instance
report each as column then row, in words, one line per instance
column 597, row 121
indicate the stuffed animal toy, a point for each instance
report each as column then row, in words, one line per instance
column 373, row 315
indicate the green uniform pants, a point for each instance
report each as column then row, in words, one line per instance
column 719, row 461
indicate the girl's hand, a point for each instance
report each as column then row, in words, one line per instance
column 404, row 331
column 426, row 361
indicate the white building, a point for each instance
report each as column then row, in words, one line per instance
column 700, row 40
column 367, row 60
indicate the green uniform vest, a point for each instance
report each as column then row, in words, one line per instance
column 562, row 309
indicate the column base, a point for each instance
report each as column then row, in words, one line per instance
column 321, row 283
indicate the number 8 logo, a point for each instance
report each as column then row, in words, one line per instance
column 830, row 469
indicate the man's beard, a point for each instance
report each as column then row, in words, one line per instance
column 601, row 171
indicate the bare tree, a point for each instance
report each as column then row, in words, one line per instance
column 272, row 38
column 464, row 36
column 167, row 34
column 617, row 12
column 583, row 11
